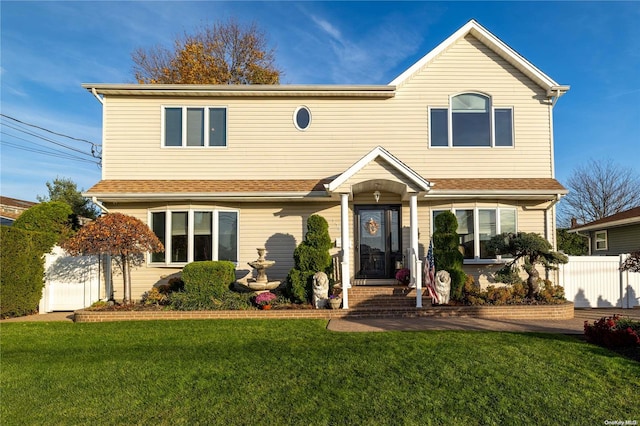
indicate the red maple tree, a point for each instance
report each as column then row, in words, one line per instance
column 118, row 235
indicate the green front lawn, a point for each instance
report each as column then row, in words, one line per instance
column 277, row 372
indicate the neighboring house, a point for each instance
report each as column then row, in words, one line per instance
column 11, row 209
column 218, row 171
column 612, row 235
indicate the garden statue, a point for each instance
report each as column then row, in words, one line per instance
column 320, row 290
column 443, row 287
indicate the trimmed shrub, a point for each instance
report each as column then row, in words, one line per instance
column 446, row 255
column 182, row 301
column 209, row 278
column 311, row 256
column 22, row 266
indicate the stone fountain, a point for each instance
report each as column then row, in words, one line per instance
column 260, row 283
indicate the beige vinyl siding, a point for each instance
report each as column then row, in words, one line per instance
column 281, row 227
column 262, row 140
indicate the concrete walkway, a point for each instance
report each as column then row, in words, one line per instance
column 572, row 326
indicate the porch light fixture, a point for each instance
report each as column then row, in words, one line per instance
column 376, row 195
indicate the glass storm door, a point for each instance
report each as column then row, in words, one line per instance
column 377, row 241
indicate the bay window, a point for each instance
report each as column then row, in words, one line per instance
column 195, row 235
column 477, row 226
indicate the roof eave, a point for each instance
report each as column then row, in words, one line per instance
column 206, row 196
column 373, row 91
column 606, row 225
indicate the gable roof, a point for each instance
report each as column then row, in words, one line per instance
column 494, row 43
column 627, row 217
column 380, row 152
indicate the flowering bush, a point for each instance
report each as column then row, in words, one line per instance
column 265, row 298
column 613, row 332
column 403, row 276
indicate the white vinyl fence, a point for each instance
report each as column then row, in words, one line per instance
column 596, row 282
column 70, row 282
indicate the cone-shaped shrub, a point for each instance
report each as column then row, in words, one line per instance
column 311, row 256
column 446, row 255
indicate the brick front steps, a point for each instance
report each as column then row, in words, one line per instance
column 364, row 302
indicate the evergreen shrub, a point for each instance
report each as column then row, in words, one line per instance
column 446, row 255
column 208, row 278
column 311, row 256
column 22, row 269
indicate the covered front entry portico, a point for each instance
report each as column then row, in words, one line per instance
column 378, row 174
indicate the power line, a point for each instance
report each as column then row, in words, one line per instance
column 39, row 151
column 47, row 130
column 21, row 126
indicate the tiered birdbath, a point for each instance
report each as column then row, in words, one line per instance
column 260, row 283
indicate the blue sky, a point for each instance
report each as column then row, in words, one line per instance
column 50, row 48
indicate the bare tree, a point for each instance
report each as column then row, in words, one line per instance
column 599, row 189
column 223, row 53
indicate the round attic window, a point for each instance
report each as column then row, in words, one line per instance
column 302, row 118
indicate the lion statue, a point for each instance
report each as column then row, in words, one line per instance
column 320, row 290
column 443, row 287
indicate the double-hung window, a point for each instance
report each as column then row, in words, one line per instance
column 194, row 127
column 601, row 240
column 476, row 226
column 470, row 121
column 194, row 235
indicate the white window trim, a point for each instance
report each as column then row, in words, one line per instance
column 606, row 240
column 295, row 116
column 184, row 126
column 476, row 230
column 492, row 119
column 190, row 235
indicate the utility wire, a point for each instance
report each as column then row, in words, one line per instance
column 48, row 140
column 21, row 126
column 47, row 130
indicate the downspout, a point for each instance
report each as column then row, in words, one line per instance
column 99, row 204
column 95, row 94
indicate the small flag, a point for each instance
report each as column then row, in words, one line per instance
column 429, row 274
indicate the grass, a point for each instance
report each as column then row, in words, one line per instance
column 245, row 372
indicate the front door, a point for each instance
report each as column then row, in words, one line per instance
column 377, row 234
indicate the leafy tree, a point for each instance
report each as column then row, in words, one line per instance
column 597, row 190
column 65, row 190
column 532, row 249
column 224, row 53
column 119, row 235
column 571, row 243
column 632, row 263
column 447, row 256
column 311, row 256
column 53, row 217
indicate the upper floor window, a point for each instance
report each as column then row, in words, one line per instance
column 194, row 235
column 476, row 226
column 471, row 121
column 302, row 118
column 195, row 126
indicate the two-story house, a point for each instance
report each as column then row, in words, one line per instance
column 218, row 171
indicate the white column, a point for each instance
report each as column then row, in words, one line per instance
column 346, row 244
column 415, row 261
column 413, row 242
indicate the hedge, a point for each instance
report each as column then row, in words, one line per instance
column 22, row 266
column 208, row 278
